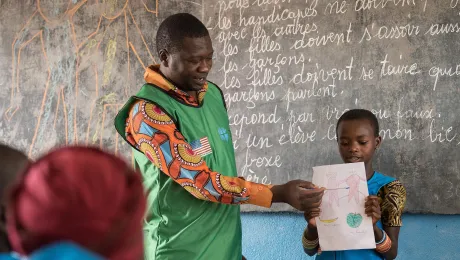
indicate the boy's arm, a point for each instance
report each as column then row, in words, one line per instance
column 392, row 206
column 310, row 240
column 393, row 233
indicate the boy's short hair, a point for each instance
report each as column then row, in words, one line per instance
column 359, row 114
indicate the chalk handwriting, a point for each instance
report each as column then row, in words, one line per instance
column 290, row 68
column 363, row 5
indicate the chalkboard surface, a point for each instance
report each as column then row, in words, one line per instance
column 288, row 70
column 67, row 66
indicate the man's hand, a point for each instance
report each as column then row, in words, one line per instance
column 372, row 208
column 302, row 195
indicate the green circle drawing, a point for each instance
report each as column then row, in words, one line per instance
column 354, row 220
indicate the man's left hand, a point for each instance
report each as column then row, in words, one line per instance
column 302, row 195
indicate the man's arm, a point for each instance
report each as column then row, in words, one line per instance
column 155, row 134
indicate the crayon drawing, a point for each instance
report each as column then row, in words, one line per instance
column 342, row 224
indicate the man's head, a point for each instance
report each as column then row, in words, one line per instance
column 358, row 136
column 82, row 195
column 185, row 50
column 12, row 162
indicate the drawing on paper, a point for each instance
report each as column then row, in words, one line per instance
column 328, row 221
column 331, row 198
column 353, row 182
column 332, row 191
column 342, row 223
column 354, row 220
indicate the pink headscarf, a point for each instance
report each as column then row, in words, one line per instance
column 79, row 194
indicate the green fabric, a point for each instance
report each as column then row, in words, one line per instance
column 179, row 226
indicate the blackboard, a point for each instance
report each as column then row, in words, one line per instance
column 288, row 70
column 67, row 66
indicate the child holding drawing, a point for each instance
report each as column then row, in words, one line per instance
column 358, row 138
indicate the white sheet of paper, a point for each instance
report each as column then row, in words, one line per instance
column 342, row 224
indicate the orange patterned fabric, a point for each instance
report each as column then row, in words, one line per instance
column 154, row 133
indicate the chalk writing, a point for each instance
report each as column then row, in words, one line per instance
column 437, row 73
column 389, row 32
column 363, row 5
column 288, row 70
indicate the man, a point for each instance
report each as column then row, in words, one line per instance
column 174, row 123
column 12, row 163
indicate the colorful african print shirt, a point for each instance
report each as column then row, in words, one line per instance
column 392, row 197
column 184, row 150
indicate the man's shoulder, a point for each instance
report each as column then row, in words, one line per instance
column 212, row 87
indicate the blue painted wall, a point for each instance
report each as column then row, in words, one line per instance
column 277, row 236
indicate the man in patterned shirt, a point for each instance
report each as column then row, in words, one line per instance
column 175, row 124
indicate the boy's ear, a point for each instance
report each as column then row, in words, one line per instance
column 378, row 141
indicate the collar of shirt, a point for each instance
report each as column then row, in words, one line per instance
column 153, row 76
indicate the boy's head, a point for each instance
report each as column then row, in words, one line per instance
column 358, row 136
column 12, row 162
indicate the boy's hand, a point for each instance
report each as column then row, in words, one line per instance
column 372, row 208
column 302, row 195
column 311, row 215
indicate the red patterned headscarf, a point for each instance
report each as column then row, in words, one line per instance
column 79, row 194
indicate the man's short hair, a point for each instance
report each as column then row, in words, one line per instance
column 175, row 28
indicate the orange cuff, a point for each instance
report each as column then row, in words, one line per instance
column 260, row 195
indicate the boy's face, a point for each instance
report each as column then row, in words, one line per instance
column 357, row 141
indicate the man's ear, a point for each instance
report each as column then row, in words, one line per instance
column 164, row 57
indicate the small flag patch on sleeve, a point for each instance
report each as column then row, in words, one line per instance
column 201, row 147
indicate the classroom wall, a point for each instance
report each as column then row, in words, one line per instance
column 277, row 236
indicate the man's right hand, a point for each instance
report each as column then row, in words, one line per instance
column 302, row 195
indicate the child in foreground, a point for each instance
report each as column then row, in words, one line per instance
column 358, row 138
column 76, row 203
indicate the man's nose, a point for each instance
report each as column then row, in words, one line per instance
column 205, row 66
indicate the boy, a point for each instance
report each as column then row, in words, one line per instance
column 358, row 138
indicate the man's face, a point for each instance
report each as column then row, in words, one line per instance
column 190, row 66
